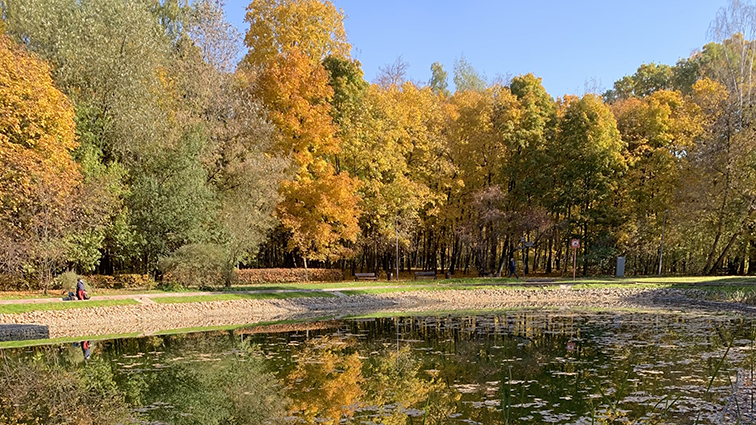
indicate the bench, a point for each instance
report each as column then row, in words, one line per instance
column 365, row 276
column 426, row 275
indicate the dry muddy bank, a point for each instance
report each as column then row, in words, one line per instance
column 151, row 318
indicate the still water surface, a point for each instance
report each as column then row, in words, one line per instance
column 525, row 367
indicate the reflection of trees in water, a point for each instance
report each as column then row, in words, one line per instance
column 507, row 368
column 218, row 383
column 234, row 390
column 516, row 367
column 332, row 378
column 51, row 389
column 55, row 386
column 325, row 382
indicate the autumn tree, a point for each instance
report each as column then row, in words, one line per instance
column 319, row 205
column 406, row 186
column 39, row 181
column 587, row 161
column 165, row 129
column 660, row 131
column 527, row 150
column 483, row 123
column 313, row 27
column 109, row 69
column 728, row 142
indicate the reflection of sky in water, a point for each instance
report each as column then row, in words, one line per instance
column 519, row 367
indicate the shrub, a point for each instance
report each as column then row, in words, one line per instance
column 288, row 275
column 169, row 286
column 66, row 281
column 195, row 265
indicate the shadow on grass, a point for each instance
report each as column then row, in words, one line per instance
column 730, row 294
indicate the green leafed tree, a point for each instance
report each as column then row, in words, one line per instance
column 466, row 77
column 439, row 81
column 587, row 161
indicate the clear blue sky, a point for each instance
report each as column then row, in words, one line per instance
column 566, row 42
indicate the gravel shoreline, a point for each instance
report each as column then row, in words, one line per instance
column 150, row 318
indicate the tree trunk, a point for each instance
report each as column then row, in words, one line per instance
column 718, row 264
column 307, row 277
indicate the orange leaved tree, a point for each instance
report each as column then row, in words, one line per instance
column 320, row 205
column 38, row 177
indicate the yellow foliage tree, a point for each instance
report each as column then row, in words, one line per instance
column 401, row 154
column 36, row 132
column 397, row 147
column 320, row 205
column 314, row 27
column 38, row 176
column 659, row 130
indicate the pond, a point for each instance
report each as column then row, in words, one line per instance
column 515, row 367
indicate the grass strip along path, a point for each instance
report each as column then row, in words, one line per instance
column 241, row 296
column 18, row 308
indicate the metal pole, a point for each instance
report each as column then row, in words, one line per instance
column 661, row 250
column 574, row 262
column 396, row 229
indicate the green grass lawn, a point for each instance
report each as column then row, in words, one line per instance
column 675, row 280
column 447, row 287
column 63, row 305
column 322, row 285
column 231, row 296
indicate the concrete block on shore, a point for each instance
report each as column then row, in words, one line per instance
column 23, row 332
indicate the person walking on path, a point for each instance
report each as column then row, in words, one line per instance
column 512, row 268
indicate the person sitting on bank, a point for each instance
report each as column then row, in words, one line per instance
column 81, row 293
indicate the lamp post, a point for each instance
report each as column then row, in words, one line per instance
column 661, row 249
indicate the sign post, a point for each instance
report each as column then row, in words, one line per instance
column 574, row 244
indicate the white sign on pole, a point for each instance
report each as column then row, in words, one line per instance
column 575, row 243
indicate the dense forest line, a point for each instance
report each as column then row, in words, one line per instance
column 132, row 139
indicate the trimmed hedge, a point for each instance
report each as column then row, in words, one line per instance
column 289, row 275
column 121, row 281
